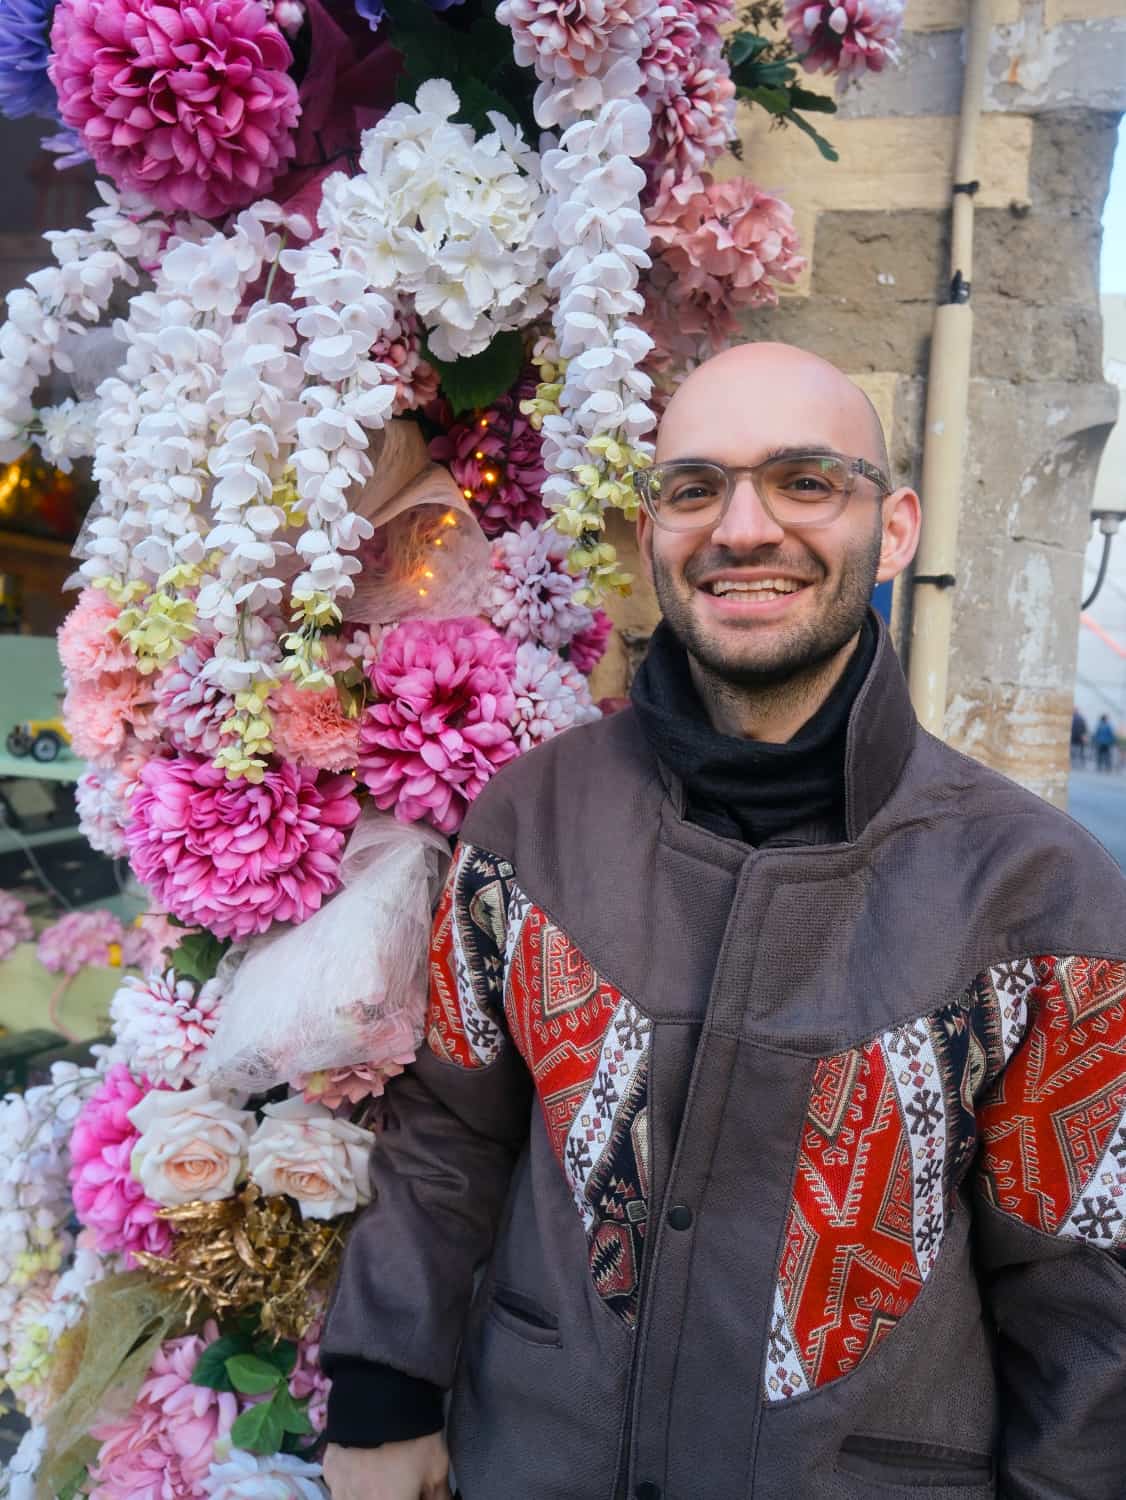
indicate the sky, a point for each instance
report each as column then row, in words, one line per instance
column 1113, row 275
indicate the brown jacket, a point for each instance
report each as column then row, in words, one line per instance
column 796, row 1171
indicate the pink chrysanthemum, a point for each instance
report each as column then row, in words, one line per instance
column 551, row 695
column 589, row 647
column 163, row 1024
column 496, row 459
column 163, row 1449
column 416, row 380
column 191, row 105
column 101, row 712
column 531, row 596
column 312, row 729
column 15, row 924
column 695, row 120
column 440, row 730
column 107, row 1197
column 233, row 856
column 80, row 938
column 191, row 709
column 680, row 41
column 390, row 1042
column 579, row 39
column 845, row 36
column 718, row 247
column 102, row 811
column 88, row 640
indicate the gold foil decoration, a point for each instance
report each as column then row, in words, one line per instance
column 249, row 1251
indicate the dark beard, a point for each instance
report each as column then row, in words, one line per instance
column 798, row 657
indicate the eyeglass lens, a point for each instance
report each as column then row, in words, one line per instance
column 800, row 491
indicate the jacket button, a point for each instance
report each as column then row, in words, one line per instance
column 647, row 1491
column 680, row 1217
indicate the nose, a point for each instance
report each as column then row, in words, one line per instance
column 747, row 523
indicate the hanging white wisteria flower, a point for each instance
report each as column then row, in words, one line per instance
column 445, row 217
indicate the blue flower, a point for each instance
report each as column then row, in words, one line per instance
column 373, row 12
column 25, row 89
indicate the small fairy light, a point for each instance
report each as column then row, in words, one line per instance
column 449, row 519
column 489, row 476
column 483, row 423
column 479, row 455
column 468, row 494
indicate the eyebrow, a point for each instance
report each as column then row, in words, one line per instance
column 790, row 450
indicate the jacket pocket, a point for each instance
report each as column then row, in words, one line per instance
column 900, row 1462
column 524, row 1316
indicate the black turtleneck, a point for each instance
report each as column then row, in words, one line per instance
column 742, row 788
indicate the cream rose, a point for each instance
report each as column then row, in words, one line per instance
column 302, row 1149
column 192, row 1146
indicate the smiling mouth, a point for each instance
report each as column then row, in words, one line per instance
column 761, row 588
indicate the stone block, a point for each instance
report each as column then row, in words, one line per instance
column 848, row 334
column 1071, row 156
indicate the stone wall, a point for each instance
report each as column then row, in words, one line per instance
column 875, row 225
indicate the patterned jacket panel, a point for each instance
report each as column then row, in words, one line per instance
column 503, row 973
column 1028, row 1065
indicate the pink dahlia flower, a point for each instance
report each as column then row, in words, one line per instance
column 694, row 121
column 495, row 457
column 15, row 924
column 334, row 1087
column 416, row 380
column 88, row 640
column 440, row 730
column 589, row 647
column 163, row 1449
column 845, row 36
column 191, row 105
column 580, row 39
column 107, row 1197
column 531, row 596
column 81, row 938
column 681, row 39
column 164, row 1024
column 311, row 729
column 551, row 695
column 233, row 856
column 100, row 713
column 191, row 709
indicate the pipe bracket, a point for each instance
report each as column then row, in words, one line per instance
column 940, row 580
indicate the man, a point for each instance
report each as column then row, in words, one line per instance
column 1078, row 738
column 776, row 1061
column 1104, row 740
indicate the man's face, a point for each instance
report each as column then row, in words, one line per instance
column 826, row 574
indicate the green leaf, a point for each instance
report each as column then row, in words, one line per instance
column 806, row 99
column 211, row 1367
column 293, row 1414
column 252, row 1376
column 198, row 955
column 775, row 101
column 744, row 46
column 828, row 151
column 259, row 1429
column 283, row 1356
column 471, row 383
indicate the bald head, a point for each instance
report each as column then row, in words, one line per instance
column 772, row 394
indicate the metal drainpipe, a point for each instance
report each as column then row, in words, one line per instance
column 948, row 381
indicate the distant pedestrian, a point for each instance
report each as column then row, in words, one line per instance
column 1079, row 733
column 1104, row 740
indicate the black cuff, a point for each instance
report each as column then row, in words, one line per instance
column 371, row 1404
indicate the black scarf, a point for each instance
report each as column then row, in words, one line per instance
column 742, row 788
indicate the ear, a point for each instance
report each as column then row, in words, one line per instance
column 902, row 520
column 645, row 541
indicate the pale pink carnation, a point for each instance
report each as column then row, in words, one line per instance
column 695, row 120
column 15, row 924
column 312, row 729
column 391, row 1042
column 531, row 596
column 234, row 856
column 579, row 39
column 192, row 710
column 551, row 695
column 845, row 36
column 101, row 713
column 163, row 1449
column 107, row 1197
column 151, row 939
column 589, row 647
column 191, row 105
column 80, row 938
column 164, row 1024
column 362, row 644
column 88, row 640
column 496, row 459
column 440, row 729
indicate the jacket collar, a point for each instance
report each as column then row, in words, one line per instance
column 881, row 734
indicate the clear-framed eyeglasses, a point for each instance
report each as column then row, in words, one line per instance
column 796, row 489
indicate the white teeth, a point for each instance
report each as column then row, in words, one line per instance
column 755, row 586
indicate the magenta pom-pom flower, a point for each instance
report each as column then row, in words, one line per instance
column 495, row 457
column 234, row 856
column 107, row 1197
column 191, row 105
column 440, row 729
column 589, row 647
column 845, row 36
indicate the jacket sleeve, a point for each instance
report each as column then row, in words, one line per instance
column 1051, row 1233
column 440, row 1171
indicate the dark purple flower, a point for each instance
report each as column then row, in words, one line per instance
column 373, row 12
column 25, row 88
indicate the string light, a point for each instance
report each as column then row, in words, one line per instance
column 489, row 476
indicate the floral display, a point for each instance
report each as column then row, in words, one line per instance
column 363, row 341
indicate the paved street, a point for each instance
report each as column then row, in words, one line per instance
column 1099, row 803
